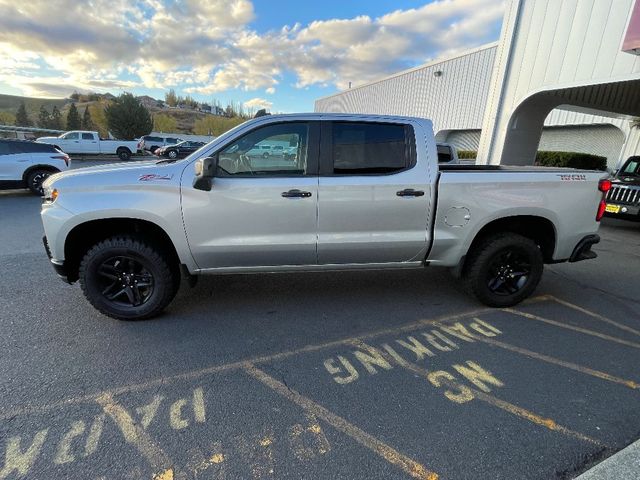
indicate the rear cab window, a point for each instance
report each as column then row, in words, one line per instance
column 367, row 148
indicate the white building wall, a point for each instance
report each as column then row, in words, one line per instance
column 548, row 45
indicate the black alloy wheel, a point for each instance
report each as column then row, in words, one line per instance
column 509, row 272
column 503, row 269
column 129, row 277
column 35, row 180
column 125, row 281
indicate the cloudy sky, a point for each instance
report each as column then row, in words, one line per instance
column 279, row 54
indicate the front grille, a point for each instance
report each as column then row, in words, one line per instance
column 624, row 195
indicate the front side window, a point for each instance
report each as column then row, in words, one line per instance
column 369, row 148
column 71, row 136
column 250, row 155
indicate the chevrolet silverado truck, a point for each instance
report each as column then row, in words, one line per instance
column 623, row 199
column 89, row 143
column 364, row 192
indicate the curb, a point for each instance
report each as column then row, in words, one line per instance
column 623, row 465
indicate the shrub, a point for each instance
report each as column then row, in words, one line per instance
column 467, row 154
column 582, row 161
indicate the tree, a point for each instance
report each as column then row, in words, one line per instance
column 73, row 118
column 127, row 118
column 22, row 119
column 99, row 119
column 44, row 117
column 7, row 118
column 56, row 119
column 164, row 123
column 87, row 123
column 214, row 125
column 171, row 98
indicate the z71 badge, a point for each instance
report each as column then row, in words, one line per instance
column 154, row 176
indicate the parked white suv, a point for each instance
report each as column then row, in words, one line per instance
column 28, row 164
column 151, row 143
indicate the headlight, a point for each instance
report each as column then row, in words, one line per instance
column 49, row 194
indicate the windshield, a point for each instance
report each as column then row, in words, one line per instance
column 632, row 167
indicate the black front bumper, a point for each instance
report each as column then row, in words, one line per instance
column 58, row 265
column 583, row 249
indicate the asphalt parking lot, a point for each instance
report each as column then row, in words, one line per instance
column 324, row 375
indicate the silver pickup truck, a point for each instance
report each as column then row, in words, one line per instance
column 357, row 192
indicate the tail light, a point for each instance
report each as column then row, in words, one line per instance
column 63, row 157
column 604, row 186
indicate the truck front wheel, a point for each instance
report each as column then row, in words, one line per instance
column 128, row 278
column 124, row 154
column 503, row 269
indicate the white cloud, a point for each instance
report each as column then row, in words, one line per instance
column 257, row 103
column 209, row 47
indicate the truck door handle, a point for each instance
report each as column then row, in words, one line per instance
column 410, row 192
column 295, row 193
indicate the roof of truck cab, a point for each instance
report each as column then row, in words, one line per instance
column 351, row 116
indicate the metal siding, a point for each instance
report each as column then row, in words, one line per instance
column 603, row 140
column 464, row 139
column 456, row 100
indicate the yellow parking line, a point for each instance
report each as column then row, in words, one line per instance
column 595, row 315
column 556, row 361
column 235, row 365
column 406, row 464
column 135, row 435
column 586, row 331
column 490, row 399
column 194, row 374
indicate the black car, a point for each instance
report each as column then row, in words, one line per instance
column 179, row 150
column 623, row 198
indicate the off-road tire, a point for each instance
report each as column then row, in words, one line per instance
column 166, row 277
column 477, row 272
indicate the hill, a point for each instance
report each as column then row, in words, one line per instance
column 10, row 103
column 184, row 119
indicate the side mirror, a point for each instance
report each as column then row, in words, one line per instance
column 205, row 169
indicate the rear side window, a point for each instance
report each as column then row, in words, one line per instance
column 28, row 147
column 371, row 148
column 5, row 148
column 87, row 136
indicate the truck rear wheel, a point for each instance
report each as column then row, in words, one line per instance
column 503, row 269
column 124, row 154
column 128, row 278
